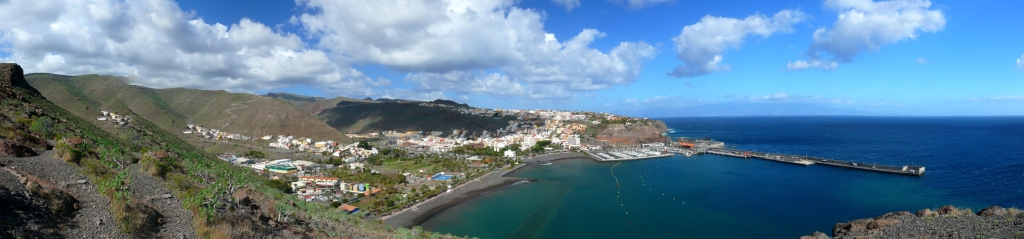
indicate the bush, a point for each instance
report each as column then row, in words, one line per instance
column 280, row 185
column 335, row 204
column 256, row 154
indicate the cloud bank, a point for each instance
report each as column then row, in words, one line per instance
column 700, row 45
column 868, row 25
column 489, row 46
column 157, row 44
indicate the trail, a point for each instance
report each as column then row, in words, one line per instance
column 613, row 174
column 236, row 106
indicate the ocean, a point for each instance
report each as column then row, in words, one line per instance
column 971, row 162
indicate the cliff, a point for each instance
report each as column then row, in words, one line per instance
column 946, row 222
column 645, row 131
column 18, row 117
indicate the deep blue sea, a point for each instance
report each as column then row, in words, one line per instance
column 971, row 162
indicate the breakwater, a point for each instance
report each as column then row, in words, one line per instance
column 807, row 160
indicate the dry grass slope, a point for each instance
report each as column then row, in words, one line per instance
column 172, row 109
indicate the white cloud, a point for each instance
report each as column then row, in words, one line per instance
column 868, row 25
column 802, row 64
column 445, row 45
column 567, row 4
column 922, row 60
column 157, row 44
column 999, row 99
column 486, row 47
column 638, row 4
column 700, row 45
column 788, row 98
column 1020, row 63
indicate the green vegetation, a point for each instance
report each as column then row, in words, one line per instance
column 171, row 109
column 313, row 105
column 197, row 178
column 374, row 117
column 486, row 151
column 256, row 154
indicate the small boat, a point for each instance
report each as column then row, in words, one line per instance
column 547, row 163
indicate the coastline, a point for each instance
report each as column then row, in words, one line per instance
column 489, row 182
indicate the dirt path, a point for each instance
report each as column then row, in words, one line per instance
column 237, row 106
column 176, row 221
column 92, row 219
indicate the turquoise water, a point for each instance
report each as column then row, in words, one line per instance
column 710, row 196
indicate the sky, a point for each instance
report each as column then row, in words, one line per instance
column 650, row 58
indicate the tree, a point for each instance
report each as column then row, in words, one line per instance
column 256, row 154
column 364, row 145
column 335, row 204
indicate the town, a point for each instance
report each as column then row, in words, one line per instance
column 381, row 173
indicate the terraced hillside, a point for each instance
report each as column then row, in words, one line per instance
column 76, row 178
column 172, row 109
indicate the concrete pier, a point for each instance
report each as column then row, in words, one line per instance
column 805, row 160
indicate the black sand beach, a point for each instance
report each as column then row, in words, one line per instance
column 425, row 210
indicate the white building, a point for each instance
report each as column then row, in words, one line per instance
column 510, row 153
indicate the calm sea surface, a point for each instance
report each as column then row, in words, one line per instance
column 972, row 162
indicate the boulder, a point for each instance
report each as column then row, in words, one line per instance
column 947, row 210
column 854, row 226
column 993, row 211
column 925, row 213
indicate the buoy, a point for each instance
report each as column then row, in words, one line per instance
column 622, row 205
column 662, row 194
column 627, row 213
column 673, row 198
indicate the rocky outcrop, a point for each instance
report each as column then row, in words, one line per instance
column 16, row 116
column 635, row 133
column 945, row 222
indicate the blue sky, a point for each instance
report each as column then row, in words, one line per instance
column 900, row 57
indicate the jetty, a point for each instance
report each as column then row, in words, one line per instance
column 690, row 146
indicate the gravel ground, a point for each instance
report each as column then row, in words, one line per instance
column 176, row 221
column 992, row 222
column 92, row 220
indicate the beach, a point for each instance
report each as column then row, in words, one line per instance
column 423, row 211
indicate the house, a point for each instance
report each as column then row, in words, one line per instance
column 510, row 153
column 319, row 180
column 349, row 208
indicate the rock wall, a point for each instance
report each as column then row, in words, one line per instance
column 625, row 135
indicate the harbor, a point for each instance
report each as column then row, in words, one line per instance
column 630, row 154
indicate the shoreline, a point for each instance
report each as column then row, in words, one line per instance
column 426, row 210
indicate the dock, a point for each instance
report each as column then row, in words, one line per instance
column 806, row 160
column 628, row 154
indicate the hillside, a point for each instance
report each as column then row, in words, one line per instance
column 172, row 109
column 374, row 117
column 139, row 181
column 313, row 105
